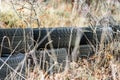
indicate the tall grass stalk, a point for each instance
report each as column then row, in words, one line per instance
column 105, row 64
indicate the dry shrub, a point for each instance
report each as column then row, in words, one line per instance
column 105, row 64
column 59, row 13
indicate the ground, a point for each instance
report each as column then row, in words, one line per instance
column 105, row 65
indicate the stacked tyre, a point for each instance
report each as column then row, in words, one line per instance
column 62, row 37
column 70, row 37
column 13, row 43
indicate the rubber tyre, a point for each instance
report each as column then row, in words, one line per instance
column 60, row 37
column 115, row 28
column 60, row 53
column 103, row 35
column 44, row 58
column 10, row 38
column 13, row 62
column 86, row 51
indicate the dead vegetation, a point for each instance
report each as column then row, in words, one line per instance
column 104, row 65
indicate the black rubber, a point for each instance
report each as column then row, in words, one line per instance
column 115, row 27
column 60, row 53
column 45, row 58
column 13, row 62
column 86, row 51
column 116, row 30
column 14, row 39
column 61, row 37
column 103, row 35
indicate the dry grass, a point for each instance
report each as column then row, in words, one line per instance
column 53, row 14
column 105, row 65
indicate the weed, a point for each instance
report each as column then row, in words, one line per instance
column 105, row 64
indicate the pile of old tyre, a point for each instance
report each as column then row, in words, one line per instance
column 14, row 43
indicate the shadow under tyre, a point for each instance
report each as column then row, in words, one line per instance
column 15, row 40
column 10, row 65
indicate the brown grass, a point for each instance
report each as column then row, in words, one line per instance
column 104, row 65
column 52, row 14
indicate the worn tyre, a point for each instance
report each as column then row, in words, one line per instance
column 45, row 58
column 115, row 28
column 12, row 62
column 60, row 53
column 62, row 37
column 103, row 35
column 14, row 40
column 67, row 36
column 85, row 51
